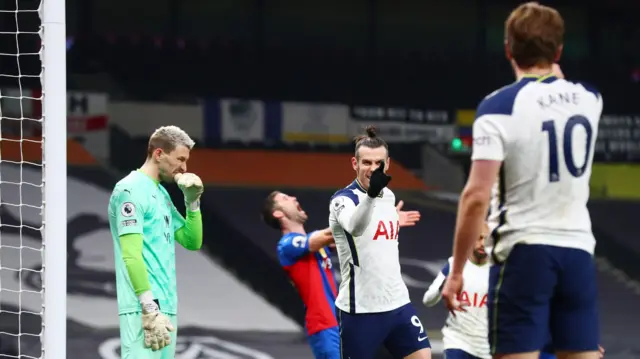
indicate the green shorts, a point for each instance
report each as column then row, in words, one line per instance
column 132, row 339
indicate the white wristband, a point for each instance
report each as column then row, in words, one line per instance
column 193, row 206
column 146, row 297
column 147, row 302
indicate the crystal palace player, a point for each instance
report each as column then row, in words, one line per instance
column 373, row 301
column 534, row 140
column 305, row 258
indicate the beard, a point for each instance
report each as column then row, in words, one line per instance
column 479, row 255
column 297, row 217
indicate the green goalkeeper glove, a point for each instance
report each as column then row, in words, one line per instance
column 156, row 326
column 192, row 188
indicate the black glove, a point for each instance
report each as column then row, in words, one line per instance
column 378, row 181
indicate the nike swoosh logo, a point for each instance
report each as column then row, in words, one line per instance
column 421, row 339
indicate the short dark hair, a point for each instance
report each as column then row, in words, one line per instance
column 534, row 34
column 268, row 207
column 370, row 139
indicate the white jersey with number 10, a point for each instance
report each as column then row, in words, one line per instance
column 544, row 131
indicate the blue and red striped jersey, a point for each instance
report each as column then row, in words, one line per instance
column 312, row 276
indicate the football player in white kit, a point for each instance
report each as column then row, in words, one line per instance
column 465, row 333
column 373, row 303
column 533, row 144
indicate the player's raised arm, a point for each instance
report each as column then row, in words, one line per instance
column 343, row 207
column 189, row 232
column 355, row 218
column 433, row 295
column 130, row 219
column 189, row 235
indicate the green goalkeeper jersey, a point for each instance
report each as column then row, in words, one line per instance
column 141, row 206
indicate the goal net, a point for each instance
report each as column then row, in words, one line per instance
column 32, row 179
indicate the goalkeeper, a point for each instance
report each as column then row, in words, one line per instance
column 144, row 224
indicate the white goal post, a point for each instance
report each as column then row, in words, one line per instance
column 54, row 160
column 33, row 180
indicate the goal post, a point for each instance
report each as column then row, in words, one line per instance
column 54, row 160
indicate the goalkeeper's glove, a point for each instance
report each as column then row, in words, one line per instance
column 192, row 188
column 156, row 327
column 378, row 181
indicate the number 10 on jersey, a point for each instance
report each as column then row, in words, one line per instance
column 567, row 148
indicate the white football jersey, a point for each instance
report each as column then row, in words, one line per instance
column 369, row 263
column 543, row 130
column 467, row 331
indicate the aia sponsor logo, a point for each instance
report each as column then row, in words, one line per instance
column 387, row 230
column 477, row 300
